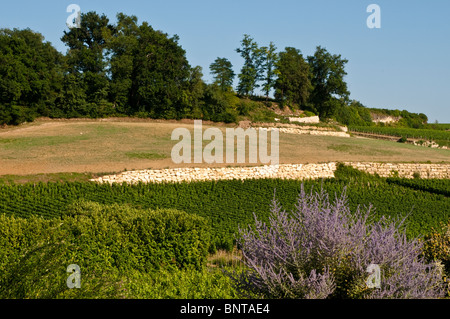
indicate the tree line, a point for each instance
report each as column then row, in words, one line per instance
column 131, row 69
column 314, row 83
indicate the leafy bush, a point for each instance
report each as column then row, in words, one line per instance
column 179, row 284
column 403, row 140
column 107, row 242
column 323, row 250
column 437, row 249
column 354, row 114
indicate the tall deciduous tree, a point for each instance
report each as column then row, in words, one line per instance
column 148, row 67
column 85, row 56
column 222, row 69
column 270, row 58
column 31, row 72
column 251, row 71
column 193, row 94
column 328, row 72
column 293, row 84
column 121, row 49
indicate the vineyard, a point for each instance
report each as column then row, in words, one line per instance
column 441, row 137
column 436, row 186
column 226, row 205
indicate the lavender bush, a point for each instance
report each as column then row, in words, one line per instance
column 323, row 250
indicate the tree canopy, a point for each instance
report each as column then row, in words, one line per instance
column 293, row 84
column 328, row 72
column 222, row 69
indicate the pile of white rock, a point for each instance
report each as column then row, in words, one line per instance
column 299, row 131
column 284, row 171
column 287, row 171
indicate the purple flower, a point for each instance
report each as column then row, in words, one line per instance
column 323, row 249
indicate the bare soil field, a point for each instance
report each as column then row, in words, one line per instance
column 118, row 144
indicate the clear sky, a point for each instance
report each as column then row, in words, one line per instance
column 403, row 65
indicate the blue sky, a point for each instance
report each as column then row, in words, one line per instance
column 403, row 65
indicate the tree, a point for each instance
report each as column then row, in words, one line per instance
column 160, row 73
column 121, row 48
column 85, row 55
column 270, row 58
column 293, row 84
column 251, row 71
column 222, row 69
column 31, row 72
column 193, row 94
column 328, row 72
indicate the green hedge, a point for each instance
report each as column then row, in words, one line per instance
column 106, row 241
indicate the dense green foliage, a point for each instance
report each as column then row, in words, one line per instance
column 222, row 69
column 31, row 76
column 107, row 242
column 293, row 84
column 328, row 72
column 86, row 65
column 226, row 205
column 252, row 71
column 436, row 186
column 270, row 60
column 354, row 114
column 437, row 248
column 439, row 136
column 437, row 126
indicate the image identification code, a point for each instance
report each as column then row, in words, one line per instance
column 227, row 309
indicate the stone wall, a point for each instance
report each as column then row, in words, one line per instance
column 309, row 120
column 405, row 170
column 313, row 132
column 286, row 171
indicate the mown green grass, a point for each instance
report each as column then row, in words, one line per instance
column 26, row 143
column 51, row 177
column 145, row 155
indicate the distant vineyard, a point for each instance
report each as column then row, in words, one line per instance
column 230, row 204
column 441, row 137
column 436, row 186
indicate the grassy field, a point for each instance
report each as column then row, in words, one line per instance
column 104, row 146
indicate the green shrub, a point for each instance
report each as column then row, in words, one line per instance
column 403, row 139
column 437, row 246
column 180, row 284
column 437, row 249
column 106, row 242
